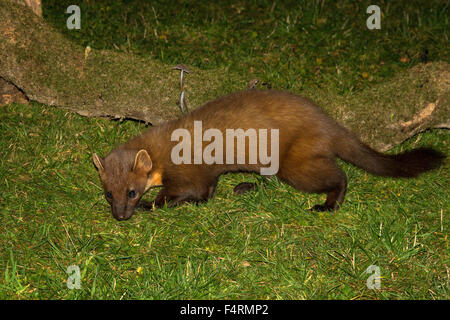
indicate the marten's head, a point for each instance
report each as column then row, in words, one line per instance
column 125, row 175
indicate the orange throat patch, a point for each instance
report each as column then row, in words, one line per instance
column 155, row 180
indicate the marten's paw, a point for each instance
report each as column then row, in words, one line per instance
column 145, row 205
column 244, row 187
column 322, row 208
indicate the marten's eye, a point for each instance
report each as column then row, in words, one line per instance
column 109, row 195
column 131, row 194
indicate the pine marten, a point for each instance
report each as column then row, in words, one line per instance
column 186, row 156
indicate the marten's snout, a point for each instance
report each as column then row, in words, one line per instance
column 121, row 212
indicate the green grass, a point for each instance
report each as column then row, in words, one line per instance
column 290, row 44
column 265, row 244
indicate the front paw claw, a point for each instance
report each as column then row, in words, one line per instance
column 145, row 205
column 322, row 208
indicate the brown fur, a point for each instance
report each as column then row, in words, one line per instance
column 309, row 142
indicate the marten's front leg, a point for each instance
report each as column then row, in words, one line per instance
column 161, row 199
column 175, row 197
column 158, row 202
column 176, row 194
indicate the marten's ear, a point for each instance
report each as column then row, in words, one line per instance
column 98, row 163
column 142, row 162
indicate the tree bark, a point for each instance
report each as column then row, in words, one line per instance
column 34, row 5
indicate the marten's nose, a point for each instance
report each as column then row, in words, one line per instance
column 119, row 212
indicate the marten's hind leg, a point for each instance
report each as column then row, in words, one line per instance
column 316, row 175
column 335, row 197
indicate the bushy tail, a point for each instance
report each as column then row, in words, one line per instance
column 408, row 164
